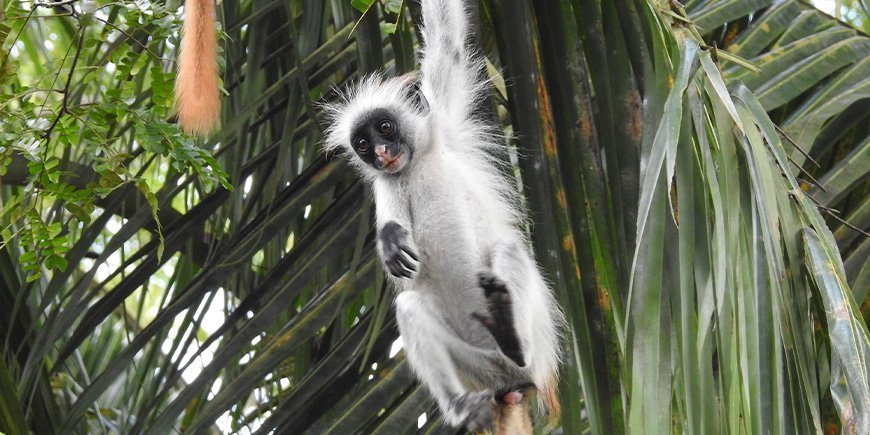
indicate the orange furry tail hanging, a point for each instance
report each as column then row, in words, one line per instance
column 197, row 96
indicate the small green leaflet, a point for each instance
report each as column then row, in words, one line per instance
column 362, row 5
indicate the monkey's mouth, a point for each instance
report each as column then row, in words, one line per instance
column 393, row 165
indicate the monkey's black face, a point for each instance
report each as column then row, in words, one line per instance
column 379, row 141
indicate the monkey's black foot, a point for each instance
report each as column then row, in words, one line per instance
column 399, row 257
column 477, row 408
column 500, row 319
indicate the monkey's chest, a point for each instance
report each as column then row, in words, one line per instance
column 445, row 231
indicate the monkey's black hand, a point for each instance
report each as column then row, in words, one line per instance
column 500, row 320
column 398, row 255
column 477, row 409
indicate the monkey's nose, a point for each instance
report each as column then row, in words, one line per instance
column 384, row 157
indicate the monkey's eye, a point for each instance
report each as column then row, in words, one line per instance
column 386, row 127
column 362, row 144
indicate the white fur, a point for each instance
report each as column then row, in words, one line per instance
column 464, row 217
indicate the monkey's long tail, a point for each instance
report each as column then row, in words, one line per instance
column 197, row 96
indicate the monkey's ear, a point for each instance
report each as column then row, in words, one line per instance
column 418, row 97
column 415, row 94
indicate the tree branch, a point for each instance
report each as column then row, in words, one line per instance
column 53, row 4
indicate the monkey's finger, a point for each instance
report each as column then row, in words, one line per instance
column 403, row 263
column 407, row 261
column 407, row 271
column 402, row 274
column 406, row 264
column 395, row 270
column 402, row 269
column 412, row 264
column 477, row 409
column 411, row 253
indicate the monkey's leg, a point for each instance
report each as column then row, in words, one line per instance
column 435, row 353
column 534, row 314
column 514, row 293
column 500, row 319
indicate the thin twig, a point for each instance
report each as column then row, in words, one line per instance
column 788, row 138
column 826, row 208
column 57, row 75
column 156, row 56
column 53, row 4
column 834, row 213
column 72, row 70
column 23, row 26
column 41, row 16
column 846, row 223
column 812, row 179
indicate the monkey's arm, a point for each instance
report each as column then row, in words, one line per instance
column 395, row 244
column 197, row 96
column 450, row 69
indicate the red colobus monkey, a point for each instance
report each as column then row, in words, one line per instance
column 197, row 95
column 477, row 318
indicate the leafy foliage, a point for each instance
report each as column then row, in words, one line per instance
column 103, row 99
column 675, row 193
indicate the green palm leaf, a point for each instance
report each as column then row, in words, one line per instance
column 700, row 220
